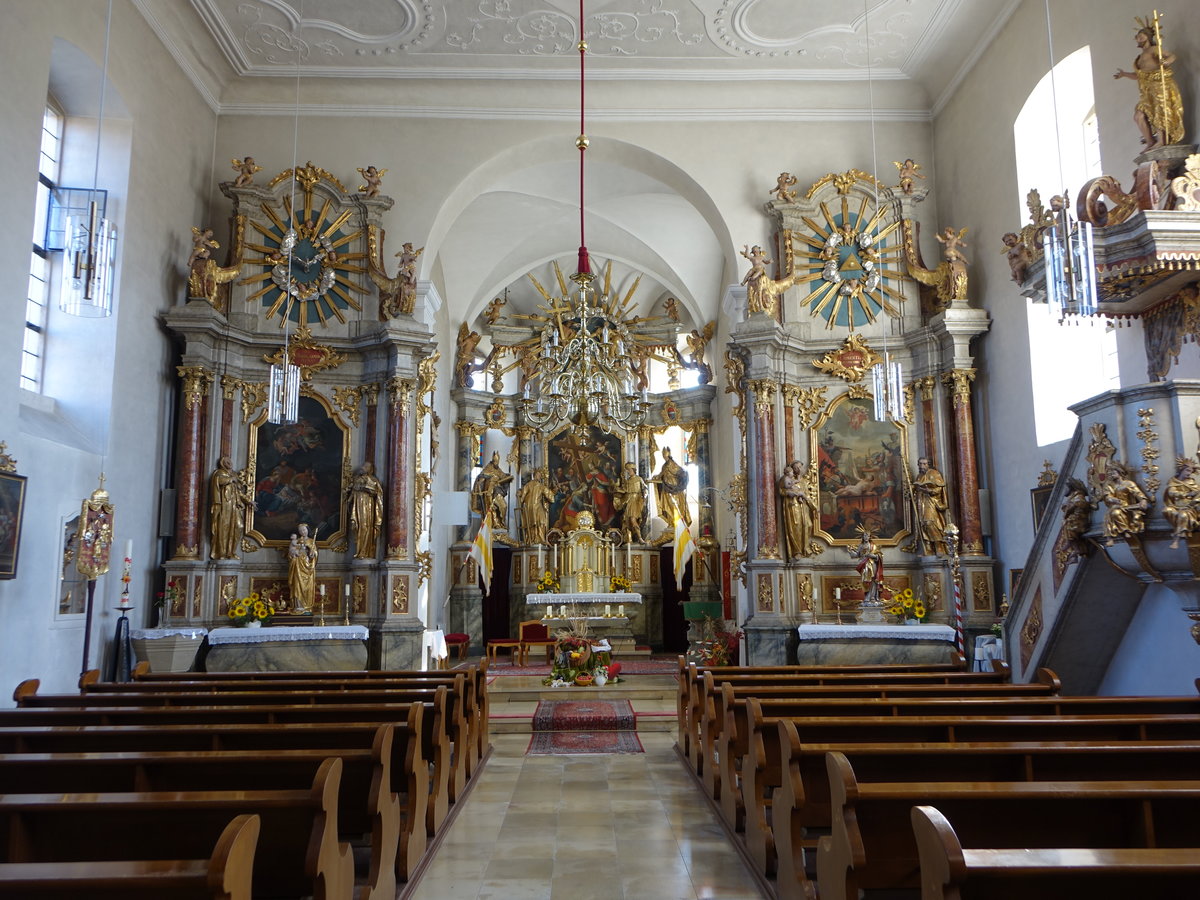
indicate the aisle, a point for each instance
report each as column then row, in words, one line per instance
column 611, row 827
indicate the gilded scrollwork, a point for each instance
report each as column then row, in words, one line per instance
column 424, row 566
column 1092, row 209
column 349, row 400
column 981, row 591
column 1186, row 187
column 399, row 595
column 310, row 355
column 926, row 385
column 1047, row 476
column 1149, row 449
column 851, row 361
column 809, row 402
column 959, row 382
column 766, row 594
column 7, row 463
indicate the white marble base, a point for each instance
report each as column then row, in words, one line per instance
column 873, row 645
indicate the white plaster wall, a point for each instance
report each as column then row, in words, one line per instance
column 124, row 362
column 1157, row 654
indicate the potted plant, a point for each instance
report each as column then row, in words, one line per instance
column 250, row 612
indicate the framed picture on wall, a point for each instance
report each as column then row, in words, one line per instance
column 12, row 508
column 1040, row 498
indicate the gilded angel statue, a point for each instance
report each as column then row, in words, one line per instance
column 246, row 170
column 372, row 180
column 949, row 279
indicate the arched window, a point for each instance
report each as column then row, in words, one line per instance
column 38, row 296
column 1057, row 147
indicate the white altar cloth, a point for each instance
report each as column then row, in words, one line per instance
column 233, row 635
column 155, row 634
column 559, row 599
column 886, row 632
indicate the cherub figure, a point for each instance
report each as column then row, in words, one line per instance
column 697, row 341
column 1158, row 114
column 950, row 242
column 202, row 244
column 491, row 314
column 408, row 259
column 783, row 188
column 761, row 290
column 1018, row 256
column 671, row 305
column 909, row 169
column 246, row 170
column 372, row 180
column 758, row 263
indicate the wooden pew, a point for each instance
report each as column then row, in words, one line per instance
column 703, row 688
column 406, row 757
column 717, row 696
column 950, row 872
column 225, row 875
column 436, row 747
column 298, row 851
column 689, row 677
column 463, row 742
column 871, row 844
column 731, row 744
column 367, row 807
column 476, row 702
column 802, row 811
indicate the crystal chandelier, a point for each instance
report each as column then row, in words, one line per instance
column 583, row 370
column 584, row 350
column 91, row 239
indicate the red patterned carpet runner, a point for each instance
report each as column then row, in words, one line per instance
column 583, row 726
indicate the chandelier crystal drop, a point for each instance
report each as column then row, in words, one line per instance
column 886, row 384
column 91, row 258
column 1070, row 266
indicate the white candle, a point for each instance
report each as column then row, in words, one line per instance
column 129, row 549
column 540, row 563
column 347, row 590
column 608, row 609
column 837, row 593
column 549, row 610
column 322, row 590
column 628, row 560
column 621, row 610
column 563, row 611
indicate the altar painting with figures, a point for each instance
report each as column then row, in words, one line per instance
column 584, row 466
column 299, row 474
column 860, row 471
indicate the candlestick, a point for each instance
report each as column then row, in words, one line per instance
column 607, row 609
column 621, row 610
column 564, row 610
column 629, row 561
column 346, row 606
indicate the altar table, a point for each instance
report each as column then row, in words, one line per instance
column 299, row 648
column 873, row 645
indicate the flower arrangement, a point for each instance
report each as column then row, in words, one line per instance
column 575, row 656
column 906, row 606
column 547, row 584
column 619, row 584
column 250, row 611
column 718, row 644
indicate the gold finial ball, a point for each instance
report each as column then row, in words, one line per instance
column 582, row 46
column 582, row 142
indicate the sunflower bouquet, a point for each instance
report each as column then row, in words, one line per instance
column 906, row 606
column 547, row 584
column 252, row 610
column 619, row 584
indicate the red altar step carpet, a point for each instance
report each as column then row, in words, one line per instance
column 583, row 726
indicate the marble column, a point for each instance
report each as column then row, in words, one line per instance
column 971, row 526
column 789, row 423
column 643, row 449
column 229, row 386
column 763, row 461
column 399, row 454
column 929, row 446
column 189, row 505
column 370, row 427
column 704, row 467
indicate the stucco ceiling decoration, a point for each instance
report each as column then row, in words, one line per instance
column 924, row 40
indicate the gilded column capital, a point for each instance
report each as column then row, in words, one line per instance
column 399, row 393
column 925, row 385
column 229, row 386
column 959, row 382
column 764, row 391
column 790, row 394
column 196, row 382
column 467, row 429
column 701, row 426
column 371, row 393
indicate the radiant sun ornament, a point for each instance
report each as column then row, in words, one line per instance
column 306, row 266
column 845, row 260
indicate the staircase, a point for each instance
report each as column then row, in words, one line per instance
column 513, row 699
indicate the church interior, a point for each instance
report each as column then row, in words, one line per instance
column 416, row 320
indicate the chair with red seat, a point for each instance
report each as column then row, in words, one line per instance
column 535, row 633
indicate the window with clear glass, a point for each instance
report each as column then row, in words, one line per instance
column 1056, row 137
column 34, row 346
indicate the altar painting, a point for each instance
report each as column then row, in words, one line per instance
column 860, row 472
column 299, row 474
column 585, row 466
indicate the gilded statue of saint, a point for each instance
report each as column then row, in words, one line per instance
column 1159, row 111
column 535, row 498
column 630, row 499
column 366, row 510
column 670, row 490
column 929, row 498
column 1127, row 504
column 1181, row 500
column 302, row 570
column 799, row 510
column 229, row 499
column 490, row 492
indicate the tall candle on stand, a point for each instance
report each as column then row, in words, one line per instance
column 346, row 614
column 540, row 561
column 125, row 576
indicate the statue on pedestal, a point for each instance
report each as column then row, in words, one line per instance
column 490, row 492
column 929, row 498
column 1159, row 111
column 229, row 498
column 366, row 510
column 797, row 492
column 535, row 498
column 870, row 567
column 302, row 570
column 630, row 499
column 670, row 490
